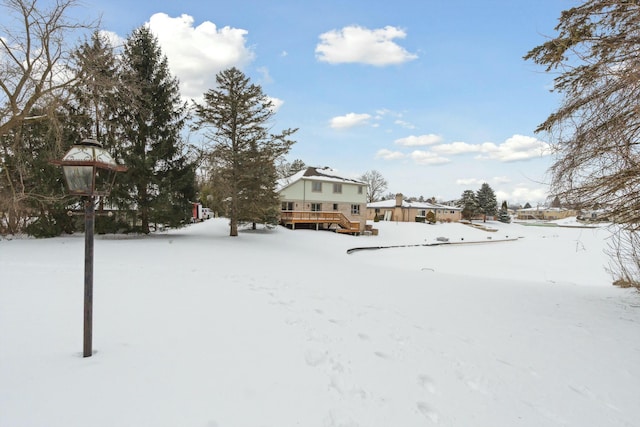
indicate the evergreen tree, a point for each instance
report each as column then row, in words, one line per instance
column 236, row 116
column 160, row 182
column 468, row 203
column 95, row 103
column 596, row 129
column 31, row 175
column 35, row 56
column 487, row 202
column 503, row 214
column 286, row 169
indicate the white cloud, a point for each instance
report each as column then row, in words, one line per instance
column 527, row 194
column 519, row 194
column 480, row 181
column 266, row 77
column 114, row 40
column 197, row 54
column 456, row 148
column 417, row 141
column 389, row 155
column 404, row 124
column 361, row 45
column 276, row 103
column 501, row 179
column 349, row 120
column 428, row 158
column 469, row 181
column 518, row 147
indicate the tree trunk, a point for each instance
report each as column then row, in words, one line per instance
column 234, row 227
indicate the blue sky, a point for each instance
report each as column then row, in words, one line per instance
column 432, row 94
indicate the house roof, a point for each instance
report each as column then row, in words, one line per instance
column 317, row 174
column 391, row 203
column 543, row 208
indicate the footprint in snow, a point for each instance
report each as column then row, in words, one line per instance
column 426, row 383
column 427, row 412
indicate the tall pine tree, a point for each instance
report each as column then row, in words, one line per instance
column 468, row 203
column 487, row 202
column 160, row 182
column 236, row 118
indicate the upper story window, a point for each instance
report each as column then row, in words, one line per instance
column 316, row 207
column 316, row 186
column 337, row 188
column 287, row 206
column 360, row 189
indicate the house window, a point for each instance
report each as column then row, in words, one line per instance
column 422, row 213
column 316, row 187
column 287, row 206
column 316, row 207
column 335, row 206
column 337, row 188
column 360, row 189
column 355, row 209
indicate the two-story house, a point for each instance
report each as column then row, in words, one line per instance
column 321, row 198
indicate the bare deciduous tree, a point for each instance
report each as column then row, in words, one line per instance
column 596, row 130
column 35, row 55
column 376, row 185
column 35, row 78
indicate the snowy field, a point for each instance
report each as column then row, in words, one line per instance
column 283, row 328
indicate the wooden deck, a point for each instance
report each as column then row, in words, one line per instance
column 306, row 217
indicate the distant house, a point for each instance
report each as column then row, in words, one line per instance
column 595, row 215
column 544, row 213
column 321, row 198
column 400, row 210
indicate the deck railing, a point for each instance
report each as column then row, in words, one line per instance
column 311, row 217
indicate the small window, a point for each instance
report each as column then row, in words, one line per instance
column 316, row 207
column 287, row 206
column 360, row 189
column 316, row 186
column 337, row 188
column 335, row 206
column 355, row 209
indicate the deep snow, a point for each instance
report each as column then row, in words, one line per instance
column 284, row 328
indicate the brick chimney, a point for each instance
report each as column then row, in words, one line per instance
column 398, row 200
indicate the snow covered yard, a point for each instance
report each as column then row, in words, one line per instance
column 283, row 328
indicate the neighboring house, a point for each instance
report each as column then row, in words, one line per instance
column 544, row 213
column 321, row 198
column 400, row 210
column 595, row 215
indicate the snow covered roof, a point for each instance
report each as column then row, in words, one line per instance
column 543, row 208
column 391, row 203
column 318, row 174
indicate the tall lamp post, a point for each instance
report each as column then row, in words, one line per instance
column 89, row 171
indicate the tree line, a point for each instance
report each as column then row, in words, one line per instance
column 54, row 94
